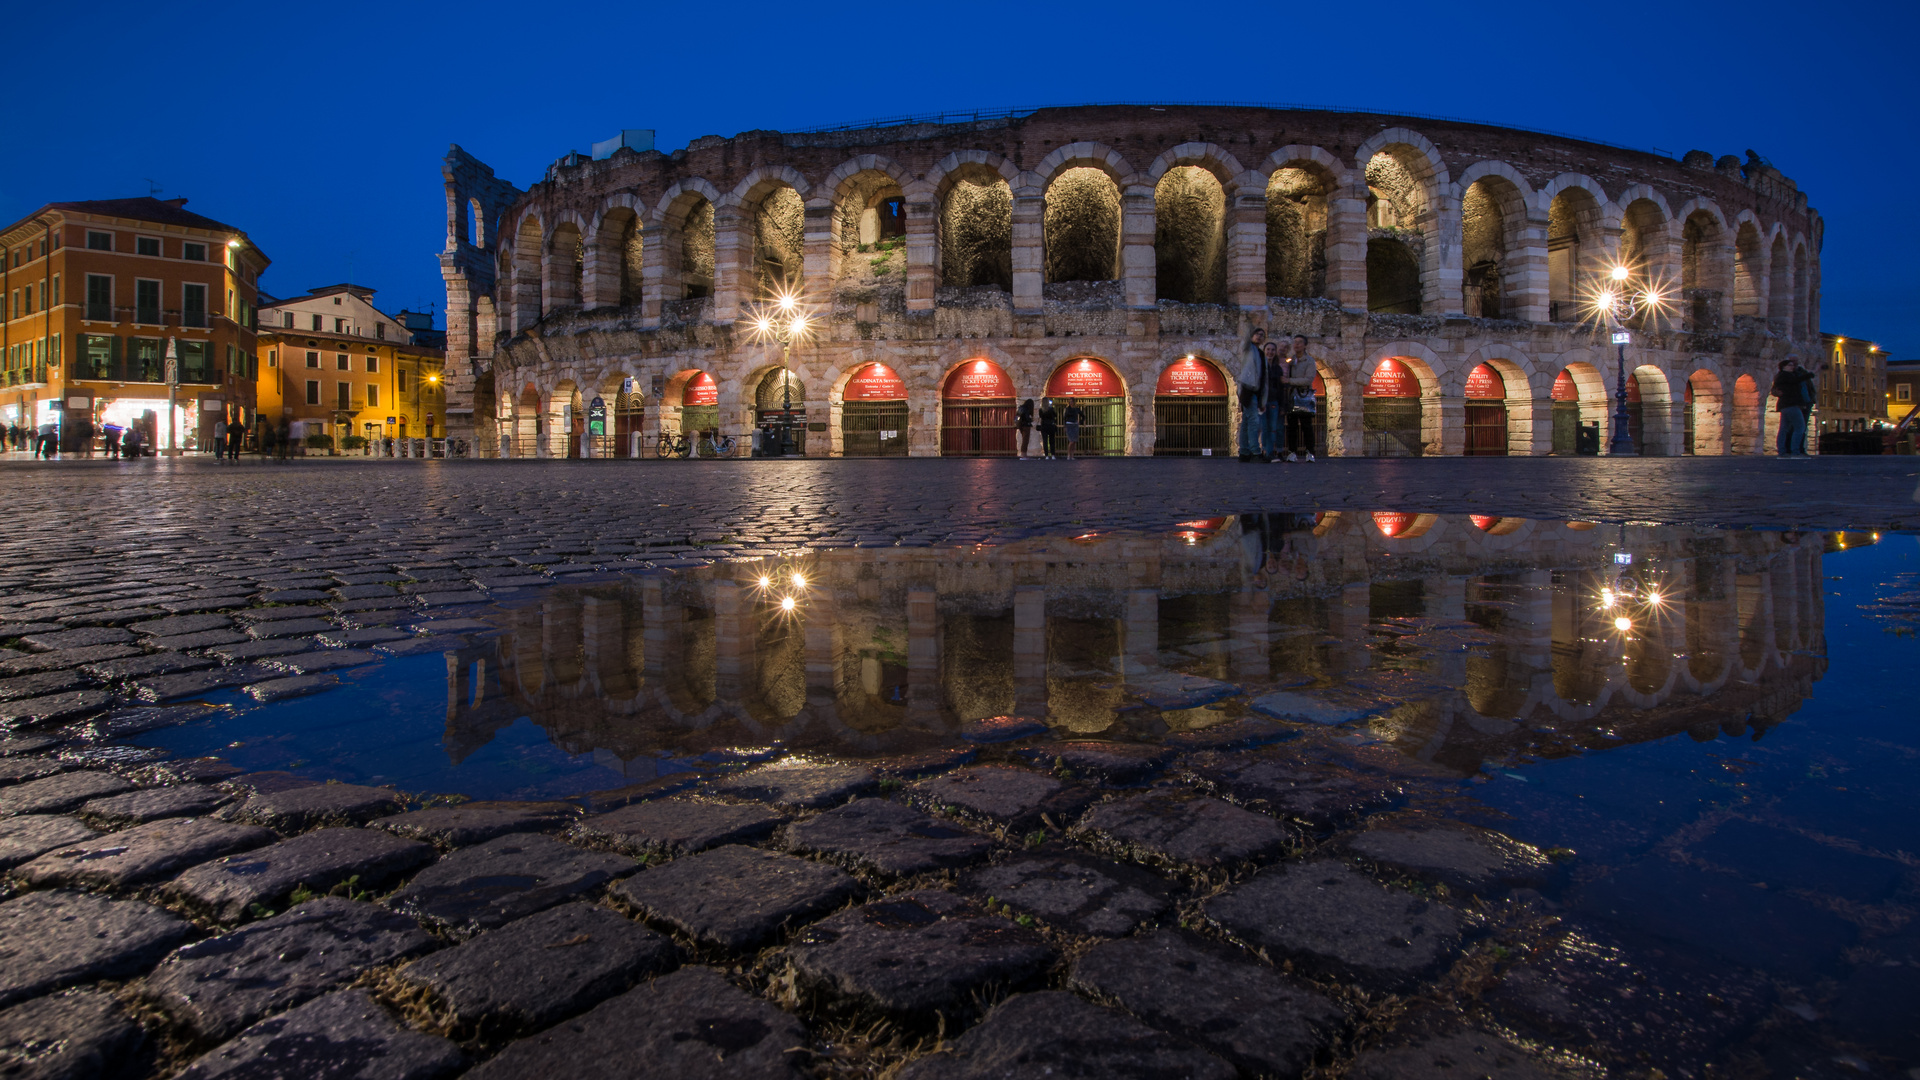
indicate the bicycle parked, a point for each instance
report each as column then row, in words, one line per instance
column 680, row 446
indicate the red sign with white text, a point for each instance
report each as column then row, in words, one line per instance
column 979, row 379
column 1392, row 524
column 1392, row 379
column 1563, row 388
column 1086, row 378
column 1191, row 376
column 700, row 390
column 1484, row 382
column 876, row 382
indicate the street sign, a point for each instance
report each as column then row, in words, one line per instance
column 597, row 417
column 1622, row 337
column 627, row 385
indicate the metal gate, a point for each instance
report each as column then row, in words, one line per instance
column 978, row 428
column 1186, row 425
column 873, row 429
column 1486, row 429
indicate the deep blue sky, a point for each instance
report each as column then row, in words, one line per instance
column 320, row 130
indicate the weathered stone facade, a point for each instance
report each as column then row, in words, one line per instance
column 1138, row 236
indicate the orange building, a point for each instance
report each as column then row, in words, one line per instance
column 335, row 365
column 99, row 294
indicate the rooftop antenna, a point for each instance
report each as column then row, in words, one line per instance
column 153, row 187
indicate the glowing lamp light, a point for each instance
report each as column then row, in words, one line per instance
column 233, row 243
column 799, row 325
column 1607, row 598
column 786, row 603
column 787, row 301
column 765, row 581
column 799, row 580
column 1623, row 624
column 763, row 325
column 1605, row 301
column 1619, row 273
column 1653, row 598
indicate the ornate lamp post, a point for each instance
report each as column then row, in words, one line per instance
column 1615, row 303
column 788, row 324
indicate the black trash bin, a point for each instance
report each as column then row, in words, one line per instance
column 1587, row 440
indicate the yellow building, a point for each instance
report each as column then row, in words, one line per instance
column 332, row 364
column 1853, row 388
column 98, row 294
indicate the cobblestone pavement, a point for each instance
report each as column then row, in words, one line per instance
column 793, row 919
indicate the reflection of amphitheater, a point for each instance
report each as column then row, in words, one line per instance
column 1109, row 253
column 1507, row 621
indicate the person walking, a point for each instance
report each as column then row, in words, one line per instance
column 1301, row 403
column 236, row 439
column 283, row 440
column 1793, row 393
column 1049, row 425
column 12, row 436
column 1072, row 419
column 220, row 438
column 1023, row 424
column 112, row 439
column 1252, row 371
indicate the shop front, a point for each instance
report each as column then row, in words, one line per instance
column 873, row 414
column 695, row 398
column 1486, row 413
column 1390, row 412
column 780, row 413
column 1571, row 435
column 977, row 412
column 1092, row 385
column 1190, row 414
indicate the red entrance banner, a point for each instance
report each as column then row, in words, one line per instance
column 978, row 379
column 1191, row 376
column 1085, row 377
column 1392, row 525
column 1484, row 522
column 1633, row 389
column 876, row 382
column 1563, row 388
column 1319, row 386
column 1392, row 379
column 1483, row 382
column 700, row 390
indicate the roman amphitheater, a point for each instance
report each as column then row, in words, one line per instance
column 1442, row 271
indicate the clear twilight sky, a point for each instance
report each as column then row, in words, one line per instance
column 319, row 129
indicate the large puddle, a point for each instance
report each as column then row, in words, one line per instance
column 1716, row 729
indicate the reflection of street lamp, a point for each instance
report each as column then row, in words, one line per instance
column 1616, row 303
column 787, row 324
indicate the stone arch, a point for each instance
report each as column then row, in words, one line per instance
column 688, row 240
column 528, row 240
column 1749, row 267
column 974, row 195
column 1203, row 155
column 1706, row 271
column 1646, row 242
column 1301, row 185
column 772, row 200
column 1409, row 204
column 1082, row 225
column 562, row 419
column 1780, row 285
column 1393, row 275
column 1085, row 155
column 615, row 258
column 1705, row 430
column 1577, row 244
column 1745, row 423
column 869, row 207
column 1656, row 437
column 1592, row 399
column 526, row 421
column 1527, row 431
column 1494, row 203
column 1426, row 366
column 564, row 264
column 1190, row 234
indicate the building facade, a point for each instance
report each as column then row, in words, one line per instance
column 1444, row 274
column 100, row 294
column 336, row 365
column 1903, row 388
column 1853, row 387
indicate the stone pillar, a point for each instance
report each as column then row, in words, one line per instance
column 1525, row 271
column 1529, row 624
column 1250, row 634
column 1347, row 247
column 658, row 282
column 656, row 628
column 1247, row 250
column 1440, row 265
column 732, row 640
column 600, row 273
column 1029, row 252
column 1142, row 631
column 1347, row 618
column 820, row 258
column 453, row 686
column 1030, row 651
column 923, row 252
column 1539, row 428
column 1138, row 270
column 923, row 659
column 732, row 255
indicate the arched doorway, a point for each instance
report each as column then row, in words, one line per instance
column 691, row 406
column 526, row 423
column 977, row 410
column 1390, row 412
column 1579, row 403
column 1486, row 413
column 780, row 412
column 1746, row 416
column 873, row 414
column 1092, row 385
column 628, row 420
column 1190, row 415
column 1706, row 415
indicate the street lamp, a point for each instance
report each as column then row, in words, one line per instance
column 787, row 323
column 1616, row 303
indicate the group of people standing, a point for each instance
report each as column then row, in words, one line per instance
column 1794, row 394
column 1277, row 400
column 1050, row 420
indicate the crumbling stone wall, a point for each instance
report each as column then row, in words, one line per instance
column 1393, row 272
column 1082, row 227
column 1483, row 249
column 779, row 242
column 1297, row 233
column 976, row 234
column 1190, row 236
column 1394, row 198
column 696, row 251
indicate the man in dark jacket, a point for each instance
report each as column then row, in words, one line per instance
column 1793, row 392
